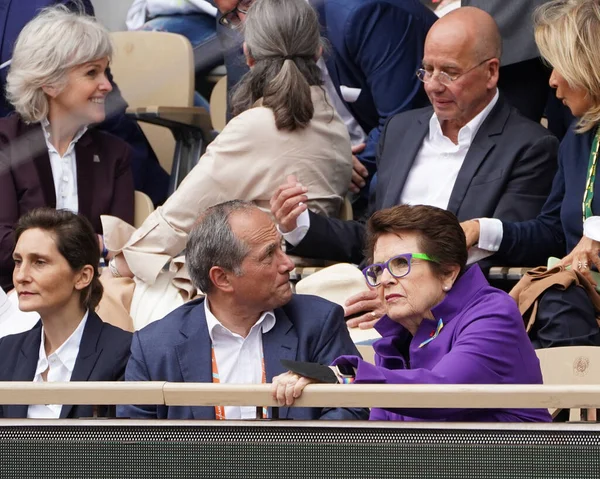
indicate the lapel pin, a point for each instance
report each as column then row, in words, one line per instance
column 96, row 159
column 434, row 334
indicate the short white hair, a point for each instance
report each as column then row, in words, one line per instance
column 47, row 48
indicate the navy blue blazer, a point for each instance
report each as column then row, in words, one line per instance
column 559, row 226
column 148, row 175
column 103, row 355
column 376, row 46
column 177, row 349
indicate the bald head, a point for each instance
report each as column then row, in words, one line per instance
column 472, row 30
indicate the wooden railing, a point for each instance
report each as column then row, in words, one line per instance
column 315, row 395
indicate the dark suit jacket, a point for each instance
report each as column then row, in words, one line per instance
column 148, row 175
column 376, row 46
column 103, row 355
column 506, row 174
column 177, row 349
column 104, row 187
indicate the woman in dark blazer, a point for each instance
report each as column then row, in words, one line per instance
column 56, row 275
column 48, row 156
column 568, row 225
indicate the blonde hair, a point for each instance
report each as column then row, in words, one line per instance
column 567, row 33
column 50, row 45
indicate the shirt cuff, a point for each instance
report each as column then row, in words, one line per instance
column 490, row 234
column 591, row 228
column 295, row 236
column 490, row 237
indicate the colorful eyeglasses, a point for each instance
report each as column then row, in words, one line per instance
column 398, row 266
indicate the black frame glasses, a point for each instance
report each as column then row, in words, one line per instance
column 231, row 19
column 443, row 77
column 374, row 278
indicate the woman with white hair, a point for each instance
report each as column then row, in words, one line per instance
column 49, row 155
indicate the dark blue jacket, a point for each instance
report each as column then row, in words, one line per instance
column 103, row 354
column 177, row 348
column 148, row 175
column 377, row 47
column 559, row 226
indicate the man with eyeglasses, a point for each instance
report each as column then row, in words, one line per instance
column 368, row 71
column 469, row 152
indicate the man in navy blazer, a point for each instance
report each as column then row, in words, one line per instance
column 247, row 323
column 376, row 46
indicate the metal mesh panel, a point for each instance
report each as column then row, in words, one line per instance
column 294, row 452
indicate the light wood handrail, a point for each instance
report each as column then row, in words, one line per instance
column 315, row 395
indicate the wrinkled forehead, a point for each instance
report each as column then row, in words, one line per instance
column 254, row 227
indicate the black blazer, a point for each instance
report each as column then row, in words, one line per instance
column 103, row 355
column 507, row 174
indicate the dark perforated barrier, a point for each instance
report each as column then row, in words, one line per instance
column 296, row 450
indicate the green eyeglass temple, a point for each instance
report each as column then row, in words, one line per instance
column 423, row 256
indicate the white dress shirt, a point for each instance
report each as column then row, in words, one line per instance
column 433, row 173
column 64, row 171
column 436, row 166
column 239, row 359
column 60, row 366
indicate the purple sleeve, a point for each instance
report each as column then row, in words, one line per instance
column 478, row 356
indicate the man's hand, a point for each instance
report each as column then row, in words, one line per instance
column 365, row 309
column 359, row 172
column 472, row 231
column 583, row 257
column 287, row 203
column 288, row 387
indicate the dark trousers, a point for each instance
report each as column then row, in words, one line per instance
column 525, row 86
column 565, row 318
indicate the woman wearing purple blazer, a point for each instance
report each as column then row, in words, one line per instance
column 444, row 323
column 57, row 85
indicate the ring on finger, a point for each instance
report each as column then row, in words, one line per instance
column 374, row 315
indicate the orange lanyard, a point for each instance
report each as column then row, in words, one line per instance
column 220, row 410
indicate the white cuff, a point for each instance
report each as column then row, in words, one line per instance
column 490, row 237
column 295, row 236
column 490, row 234
column 591, row 228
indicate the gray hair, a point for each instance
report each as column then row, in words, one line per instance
column 213, row 243
column 48, row 47
column 283, row 37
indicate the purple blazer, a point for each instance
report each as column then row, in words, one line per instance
column 482, row 341
column 104, row 180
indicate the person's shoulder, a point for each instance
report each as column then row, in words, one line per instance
column 107, row 142
column 406, row 118
column 169, row 327
column 13, row 342
column 12, row 126
column 309, row 305
column 492, row 302
column 115, row 336
column 521, row 127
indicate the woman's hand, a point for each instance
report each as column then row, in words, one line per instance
column 583, row 256
column 472, row 231
column 364, row 309
column 288, row 387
